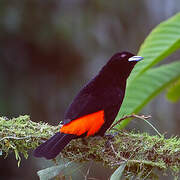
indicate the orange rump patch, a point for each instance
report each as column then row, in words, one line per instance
column 90, row 123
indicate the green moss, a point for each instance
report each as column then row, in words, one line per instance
column 142, row 152
column 20, row 134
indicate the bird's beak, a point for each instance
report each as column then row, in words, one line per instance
column 135, row 58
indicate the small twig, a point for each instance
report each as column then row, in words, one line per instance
column 113, row 149
column 142, row 117
column 117, row 155
column 87, row 173
column 17, row 138
column 147, row 175
column 129, row 116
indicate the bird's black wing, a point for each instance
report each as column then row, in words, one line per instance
column 89, row 101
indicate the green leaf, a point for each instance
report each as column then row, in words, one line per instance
column 147, row 86
column 161, row 42
column 117, row 175
column 173, row 93
column 66, row 169
column 145, row 83
column 50, row 172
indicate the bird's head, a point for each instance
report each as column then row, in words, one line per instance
column 122, row 63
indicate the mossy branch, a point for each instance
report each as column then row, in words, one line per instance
column 142, row 152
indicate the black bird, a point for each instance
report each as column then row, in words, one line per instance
column 95, row 107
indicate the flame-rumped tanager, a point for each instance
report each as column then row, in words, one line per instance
column 95, row 107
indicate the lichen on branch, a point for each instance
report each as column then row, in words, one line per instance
column 21, row 134
column 141, row 152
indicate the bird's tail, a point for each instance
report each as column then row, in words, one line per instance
column 53, row 146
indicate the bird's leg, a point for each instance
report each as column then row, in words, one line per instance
column 110, row 136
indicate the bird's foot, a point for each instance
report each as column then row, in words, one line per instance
column 110, row 136
column 109, row 139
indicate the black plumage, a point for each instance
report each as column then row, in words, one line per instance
column 104, row 92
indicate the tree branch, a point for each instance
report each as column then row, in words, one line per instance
column 142, row 152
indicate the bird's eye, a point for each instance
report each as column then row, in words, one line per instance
column 123, row 55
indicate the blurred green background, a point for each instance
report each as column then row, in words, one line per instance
column 50, row 48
